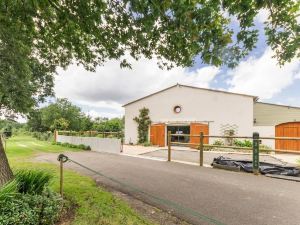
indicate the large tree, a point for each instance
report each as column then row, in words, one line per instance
column 37, row 36
column 61, row 114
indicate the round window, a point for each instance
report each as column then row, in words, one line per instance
column 177, row 109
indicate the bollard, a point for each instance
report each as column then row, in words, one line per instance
column 169, row 146
column 201, row 148
column 61, row 178
column 255, row 162
column 62, row 159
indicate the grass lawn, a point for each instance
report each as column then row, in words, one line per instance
column 95, row 206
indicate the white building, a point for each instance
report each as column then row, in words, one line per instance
column 191, row 110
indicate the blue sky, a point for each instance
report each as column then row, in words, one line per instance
column 104, row 92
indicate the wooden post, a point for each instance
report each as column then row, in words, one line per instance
column 169, row 146
column 61, row 177
column 55, row 136
column 201, row 148
column 255, row 162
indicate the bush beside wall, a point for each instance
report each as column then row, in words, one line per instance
column 81, row 146
column 43, row 136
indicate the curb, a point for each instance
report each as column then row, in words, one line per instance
column 281, row 177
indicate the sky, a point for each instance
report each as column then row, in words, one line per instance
column 102, row 93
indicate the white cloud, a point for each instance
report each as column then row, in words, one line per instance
column 262, row 76
column 110, row 86
column 94, row 114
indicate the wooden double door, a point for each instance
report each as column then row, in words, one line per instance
column 158, row 133
column 291, row 129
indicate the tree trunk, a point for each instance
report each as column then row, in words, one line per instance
column 5, row 171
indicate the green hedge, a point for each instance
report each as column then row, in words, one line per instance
column 31, row 209
column 68, row 145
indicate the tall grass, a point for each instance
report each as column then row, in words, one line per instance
column 32, row 181
column 9, row 190
column 26, row 182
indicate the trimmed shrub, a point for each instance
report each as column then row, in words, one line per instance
column 244, row 143
column 27, row 200
column 31, row 209
column 218, row 142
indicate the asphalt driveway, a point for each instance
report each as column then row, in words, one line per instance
column 198, row 195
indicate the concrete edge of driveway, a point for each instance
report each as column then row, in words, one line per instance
column 145, row 157
column 141, row 156
column 290, row 178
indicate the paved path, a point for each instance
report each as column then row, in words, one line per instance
column 198, row 195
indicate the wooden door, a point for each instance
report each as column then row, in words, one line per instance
column 291, row 129
column 196, row 129
column 157, row 134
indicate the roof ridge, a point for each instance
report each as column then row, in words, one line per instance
column 189, row 86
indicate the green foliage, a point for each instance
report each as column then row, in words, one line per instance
column 37, row 37
column 31, row 209
column 9, row 126
column 34, row 122
column 143, row 121
column 60, row 124
column 27, row 200
column 108, row 125
column 32, row 181
column 60, row 115
column 147, row 144
column 9, row 190
column 218, row 142
column 244, row 143
column 81, row 146
column 45, row 136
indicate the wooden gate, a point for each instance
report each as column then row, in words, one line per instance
column 157, row 134
column 195, row 129
column 291, row 129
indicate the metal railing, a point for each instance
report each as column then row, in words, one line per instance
column 255, row 149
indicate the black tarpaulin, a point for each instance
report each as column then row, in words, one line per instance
column 264, row 168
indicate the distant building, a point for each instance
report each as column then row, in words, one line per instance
column 191, row 110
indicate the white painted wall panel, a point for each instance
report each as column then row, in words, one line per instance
column 270, row 115
column 266, row 131
column 110, row 145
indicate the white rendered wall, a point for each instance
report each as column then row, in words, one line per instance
column 110, row 145
column 197, row 105
column 266, row 131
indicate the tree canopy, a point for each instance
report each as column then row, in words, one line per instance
column 61, row 115
column 103, row 124
column 37, row 36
